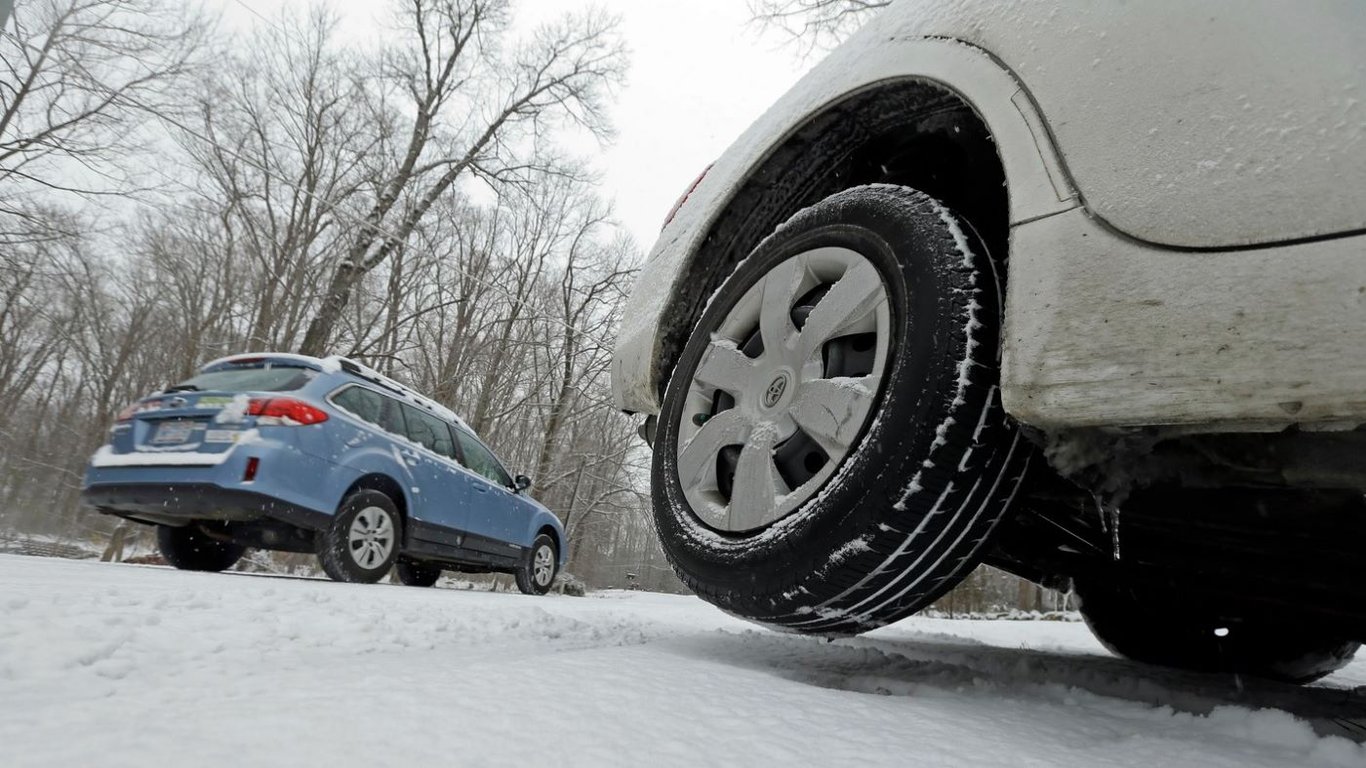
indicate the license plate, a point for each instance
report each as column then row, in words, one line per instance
column 173, row 432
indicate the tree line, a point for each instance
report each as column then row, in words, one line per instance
column 170, row 194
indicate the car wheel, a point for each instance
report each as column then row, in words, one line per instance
column 832, row 452
column 362, row 542
column 417, row 575
column 190, row 548
column 1157, row 626
column 538, row 568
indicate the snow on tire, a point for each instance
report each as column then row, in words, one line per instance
column 832, row 453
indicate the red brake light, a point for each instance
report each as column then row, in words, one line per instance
column 284, row 411
column 691, row 188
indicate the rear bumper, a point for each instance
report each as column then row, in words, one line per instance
column 289, row 485
column 183, row 502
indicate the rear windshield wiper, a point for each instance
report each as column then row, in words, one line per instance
column 181, row 388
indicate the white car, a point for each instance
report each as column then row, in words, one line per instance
column 1076, row 289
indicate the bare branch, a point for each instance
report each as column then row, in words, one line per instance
column 815, row 24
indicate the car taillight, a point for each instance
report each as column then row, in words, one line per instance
column 284, row 412
column 691, row 188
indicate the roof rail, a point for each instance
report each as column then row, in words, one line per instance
column 414, row 398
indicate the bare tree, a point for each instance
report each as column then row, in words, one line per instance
column 204, row 291
column 472, row 100
column 815, row 23
column 590, row 290
column 309, row 195
column 29, row 328
column 75, row 76
column 278, row 142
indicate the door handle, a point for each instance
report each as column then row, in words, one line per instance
column 481, row 488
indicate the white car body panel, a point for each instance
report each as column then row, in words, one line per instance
column 1189, row 133
column 1107, row 332
column 1196, row 124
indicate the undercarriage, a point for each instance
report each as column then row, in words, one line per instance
column 1242, row 524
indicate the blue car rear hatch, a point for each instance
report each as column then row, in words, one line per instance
column 198, row 421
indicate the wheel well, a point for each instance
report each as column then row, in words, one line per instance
column 907, row 132
column 554, row 536
column 385, row 485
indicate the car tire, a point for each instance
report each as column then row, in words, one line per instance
column 363, row 540
column 189, row 548
column 917, row 471
column 1158, row 626
column 417, row 574
column 539, row 566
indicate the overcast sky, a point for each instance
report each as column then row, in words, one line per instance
column 700, row 73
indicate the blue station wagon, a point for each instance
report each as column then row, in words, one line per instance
column 301, row 454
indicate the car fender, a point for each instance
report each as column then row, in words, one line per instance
column 367, row 460
column 1226, row 134
column 1208, row 125
column 542, row 518
column 1036, row 180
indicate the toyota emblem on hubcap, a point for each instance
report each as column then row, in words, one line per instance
column 775, row 390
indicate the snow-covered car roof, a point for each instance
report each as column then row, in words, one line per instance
column 339, row 364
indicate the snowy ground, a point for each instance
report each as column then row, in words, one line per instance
column 121, row 665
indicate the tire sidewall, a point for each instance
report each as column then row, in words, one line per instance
column 926, row 288
column 334, row 551
column 526, row 574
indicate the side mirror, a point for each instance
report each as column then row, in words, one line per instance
column 521, row 483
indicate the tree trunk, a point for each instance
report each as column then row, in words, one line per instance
column 319, row 333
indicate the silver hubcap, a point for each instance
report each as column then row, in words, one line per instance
column 760, row 404
column 543, row 565
column 371, row 537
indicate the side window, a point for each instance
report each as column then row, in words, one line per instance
column 391, row 418
column 429, row 431
column 361, row 402
column 481, row 460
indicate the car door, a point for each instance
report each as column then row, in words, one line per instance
column 498, row 513
column 442, row 485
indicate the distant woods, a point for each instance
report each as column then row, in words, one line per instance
column 815, row 24
column 169, row 195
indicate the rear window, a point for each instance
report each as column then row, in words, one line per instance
column 263, row 376
column 362, row 403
